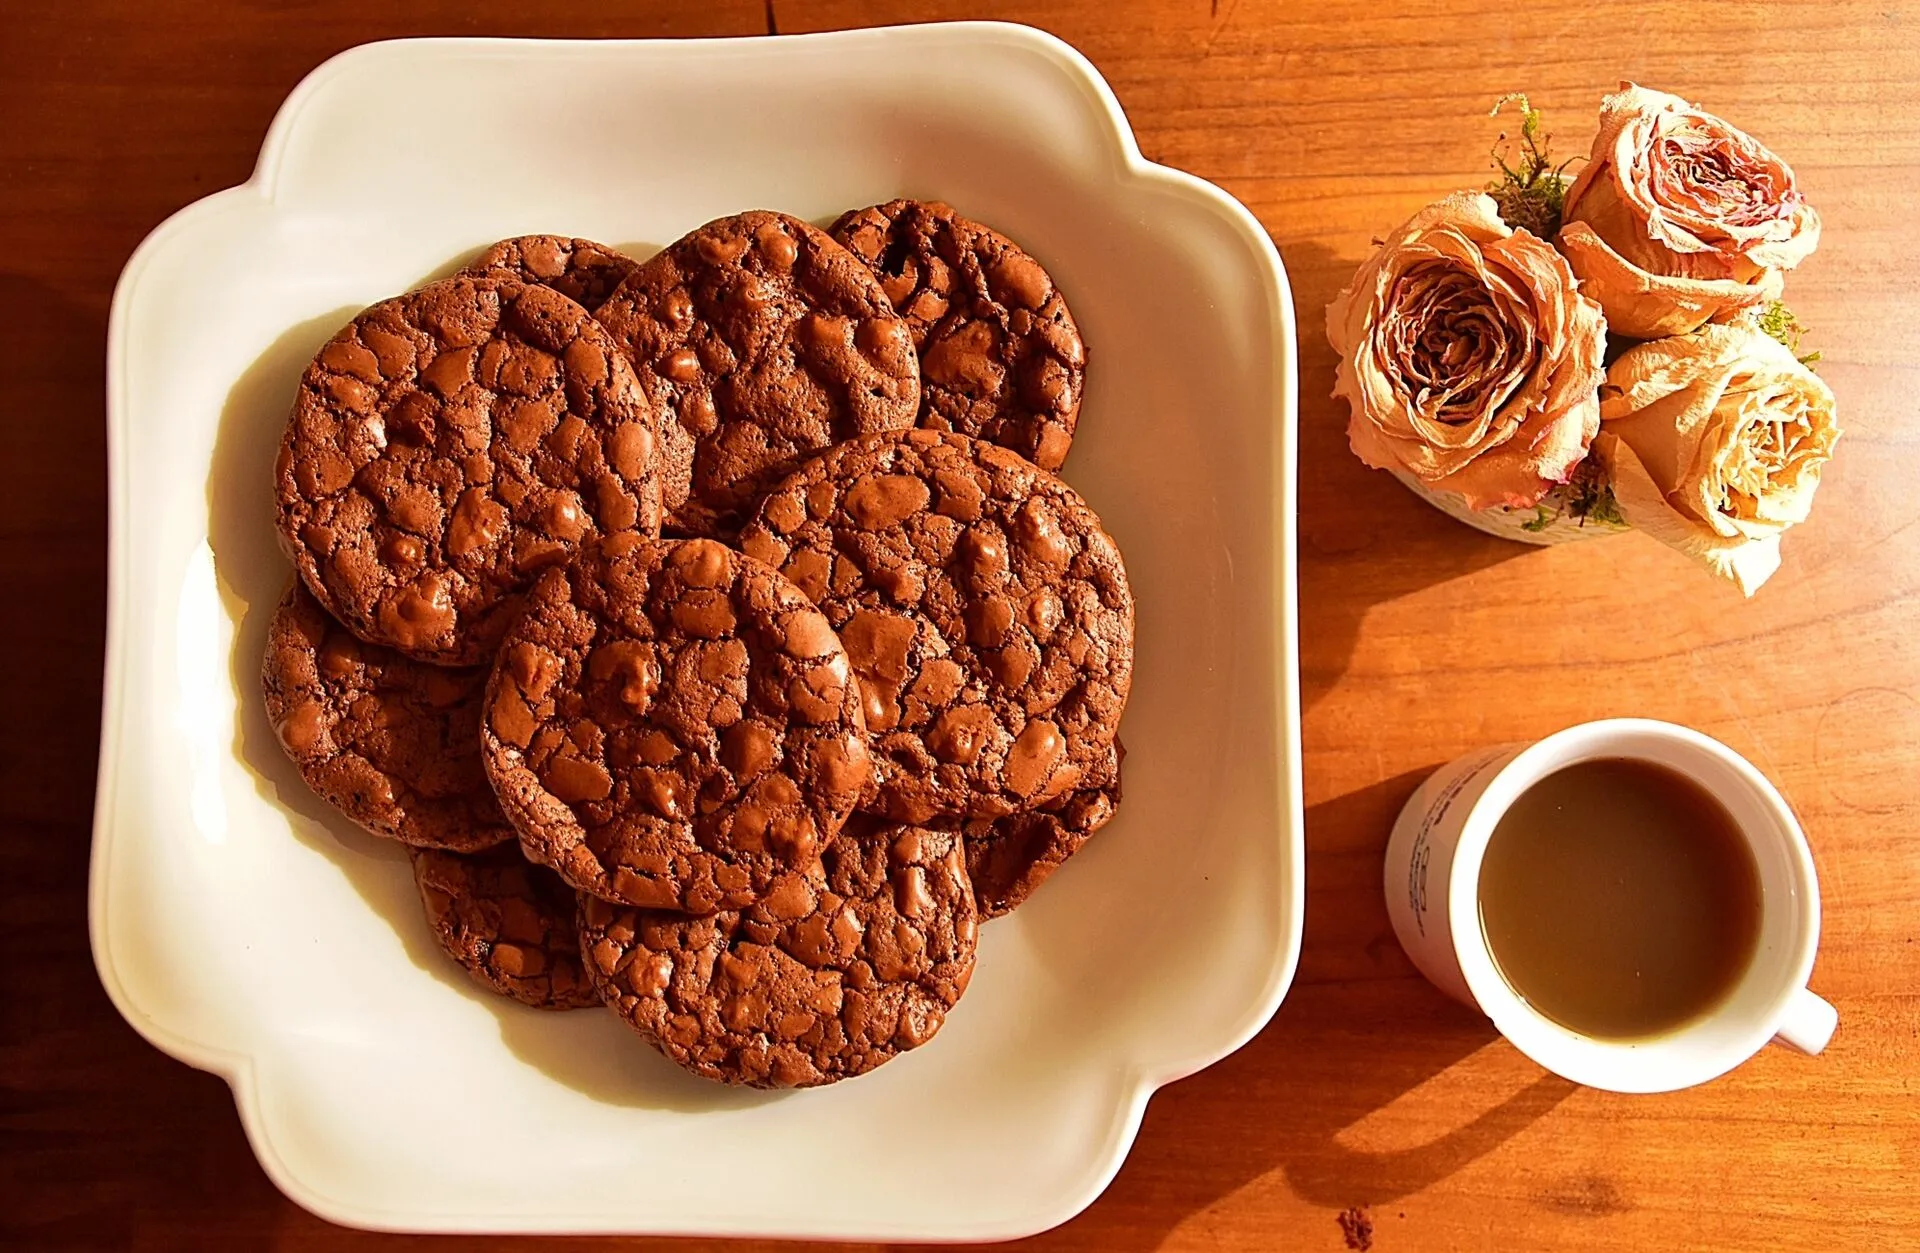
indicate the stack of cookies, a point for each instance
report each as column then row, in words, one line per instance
column 714, row 629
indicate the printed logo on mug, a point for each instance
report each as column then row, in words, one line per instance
column 1631, row 903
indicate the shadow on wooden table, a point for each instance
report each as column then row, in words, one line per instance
column 1364, row 539
column 1308, row 1107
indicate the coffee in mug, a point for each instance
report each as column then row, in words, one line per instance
column 1618, row 898
column 1631, row 903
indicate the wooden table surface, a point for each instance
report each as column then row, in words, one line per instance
column 1419, row 638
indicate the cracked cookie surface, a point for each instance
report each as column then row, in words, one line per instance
column 1009, row 858
column 1000, row 355
column 841, row 967
column 391, row 742
column 674, row 725
column 770, row 342
column 450, row 444
column 579, row 269
column 985, row 611
column 512, row 925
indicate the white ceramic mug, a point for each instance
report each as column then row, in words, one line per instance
column 1433, row 883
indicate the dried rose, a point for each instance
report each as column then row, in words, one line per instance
column 1713, row 442
column 1680, row 219
column 1468, row 357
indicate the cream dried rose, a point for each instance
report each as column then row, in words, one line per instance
column 1468, row 357
column 1680, row 219
column 1713, row 443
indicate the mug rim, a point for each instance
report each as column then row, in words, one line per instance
column 1621, row 1065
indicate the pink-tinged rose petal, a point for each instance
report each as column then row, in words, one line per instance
column 1469, row 357
column 1680, row 212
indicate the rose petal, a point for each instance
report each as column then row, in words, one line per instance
column 1786, row 253
column 1640, row 305
column 1745, row 563
column 1468, row 357
column 1518, row 475
column 1677, row 192
column 1713, row 443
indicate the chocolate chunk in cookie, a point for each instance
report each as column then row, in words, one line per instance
column 391, row 742
column 1009, row 858
column 448, row 446
column 838, row 969
column 986, row 613
column 578, row 269
column 771, row 342
column 674, row 725
column 1000, row 356
column 513, row 925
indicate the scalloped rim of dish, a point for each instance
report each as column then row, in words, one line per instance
column 238, row 1069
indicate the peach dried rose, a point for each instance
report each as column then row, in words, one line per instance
column 1468, row 357
column 1679, row 218
column 1714, row 442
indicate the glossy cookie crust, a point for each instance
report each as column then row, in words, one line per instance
column 838, row 970
column 391, row 742
column 450, row 444
column 1000, row 355
column 1009, row 858
column 579, row 269
column 770, row 342
column 985, row 611
column 674, row 725
column 512, row 925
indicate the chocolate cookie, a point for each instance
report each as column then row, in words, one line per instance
column 1000, row 356
column 673, row 725
column 391, row 742
column 1008, row 858
column 513, row 925
column 985, row 611
column 578, row 269
column 835, row 971
column 450, row 444
column 772, row 342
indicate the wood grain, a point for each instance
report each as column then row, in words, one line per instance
column 1420, row 638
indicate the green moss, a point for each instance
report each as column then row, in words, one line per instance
column 1531, row 191
column 1777, row 322
column 1605, row 508
column 1583, row 498
column 1590, row 497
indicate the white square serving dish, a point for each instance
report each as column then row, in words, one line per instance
column 243, row 929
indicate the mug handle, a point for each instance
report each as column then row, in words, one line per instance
column 1808, row 1023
